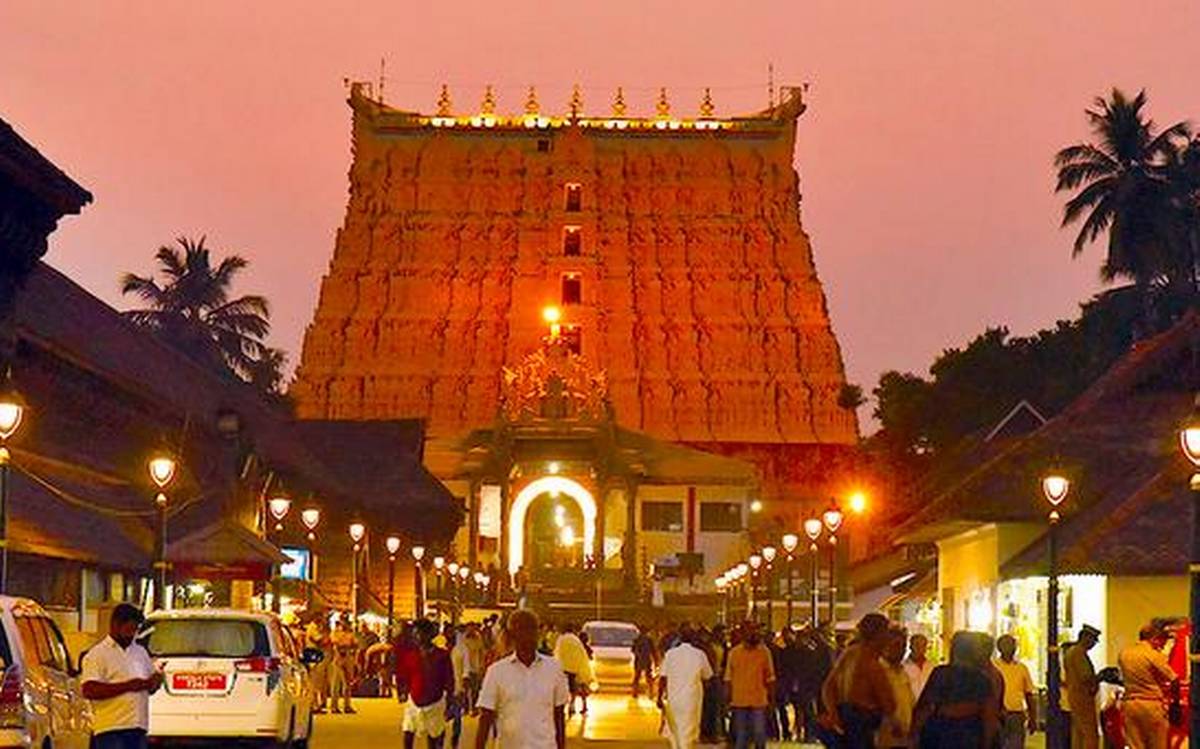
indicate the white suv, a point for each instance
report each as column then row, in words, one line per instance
column 40, row 701
column 229, row 675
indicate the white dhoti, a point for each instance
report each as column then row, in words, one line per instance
column 429, row 720
column 683, row 716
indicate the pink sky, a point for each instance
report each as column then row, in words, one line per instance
column 925, row 156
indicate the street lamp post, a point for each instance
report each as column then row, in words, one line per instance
column 452, row 571
column 790, row 542
column 832, row 520
column 418, row 553
column 1055, row 487
column 357, row 532
column 439, row 563
column 310, row 517
column 393, row 545
column 278, row 508
column 768, row 555
column 1189, row 441
column 812, row 529
column 756, row 561
column 12, row 413
column 464, row 574
column 161, row 467
column 721, row 584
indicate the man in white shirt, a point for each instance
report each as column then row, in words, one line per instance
column 917, row 665
column 682, row 674
column 522, row 692
column 118, row 679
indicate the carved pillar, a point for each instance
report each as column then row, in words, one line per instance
column 473, row 525
column 629, row 549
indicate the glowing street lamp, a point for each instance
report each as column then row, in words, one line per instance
column 812, row 529
column 161, row 466
column 832, row 520
column 790, row 542
column 12, row 413
column 392, row 544
column 1189, row 442
column 279, row 507
column 768, row 555
column 358, row 532
column 1055, row 488
column 311, row 518
column 418, row 553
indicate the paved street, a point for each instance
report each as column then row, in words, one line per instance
column 617, row 721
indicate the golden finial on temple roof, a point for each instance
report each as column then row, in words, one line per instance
column 618, row 105
column 531, row 102
column 663, row 107
column 443, row 102
column 706, row 104
column 576, row 103
column 488, row 106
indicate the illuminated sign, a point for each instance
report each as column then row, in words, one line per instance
column 300, row 568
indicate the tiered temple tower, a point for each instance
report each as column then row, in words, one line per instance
column 672, row 245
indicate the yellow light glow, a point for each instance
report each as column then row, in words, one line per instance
column 812, row 528
column 551, row 314
column 357, row 531
column 553, row 467
column 1189, row 440
column 790, row 542
column 162, row 469
column 567, row 536
column 310, row 516
column 393, row 544
column 756, row 506
column 858, row 503
column 11, row 413
column 1056, row 488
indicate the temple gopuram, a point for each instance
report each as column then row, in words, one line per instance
column 688, row 372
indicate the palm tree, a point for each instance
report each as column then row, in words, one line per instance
column 1122, row 189
column 191, row 308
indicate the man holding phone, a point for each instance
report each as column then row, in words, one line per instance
column 118, row 678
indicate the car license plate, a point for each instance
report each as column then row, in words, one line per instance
column 191, row 682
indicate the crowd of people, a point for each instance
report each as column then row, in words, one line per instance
column 875, row 688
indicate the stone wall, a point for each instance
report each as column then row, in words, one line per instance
column 699, row 293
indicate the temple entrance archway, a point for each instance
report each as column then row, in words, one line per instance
column 565, row 489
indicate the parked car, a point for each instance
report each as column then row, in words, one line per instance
column 40, row 701
column 229, row 675
column 612, row 650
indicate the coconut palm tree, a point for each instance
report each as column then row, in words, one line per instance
column 191, row 307
column 1122, row 189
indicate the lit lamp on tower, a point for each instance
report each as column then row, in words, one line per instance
column 1189, row 442
column 1055, row 487
column 790, row 541
column 812, row 529
column 553, row 318
column 768, row 555
column 12, row 413
column 278, row 507
column 358, row 532
column 418, row 553
column 832, row 520
column 161, row 467
column 393, row 545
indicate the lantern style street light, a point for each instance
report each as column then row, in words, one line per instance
column 161, row 466
column 452, row 571
column 12, row 413
column 278, row 508
column 393, row 545
column 1189, row 442
column 311, row 518
column 756, row 561
column 768, row 554
column 418, row 553
column 439, row 564
column 1055, row 488
column 812, row 529
column 722, row 585
column 358, row 532
column 832, row 520
column 790, row 542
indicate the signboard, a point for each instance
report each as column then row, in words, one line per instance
column 300, row 567
column 489, row 511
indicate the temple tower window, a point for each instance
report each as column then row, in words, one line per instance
column 572, row 289
column 573, row 196
column 572, row 241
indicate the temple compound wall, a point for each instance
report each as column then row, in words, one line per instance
column 673, row 247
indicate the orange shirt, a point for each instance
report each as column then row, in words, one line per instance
column 749, row 671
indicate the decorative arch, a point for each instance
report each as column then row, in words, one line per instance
column 520, row 506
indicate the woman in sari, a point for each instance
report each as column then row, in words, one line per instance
column 958, row 708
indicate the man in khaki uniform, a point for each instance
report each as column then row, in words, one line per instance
column 1081, row 687
column 1147, row 675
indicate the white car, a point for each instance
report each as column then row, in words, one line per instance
column 40, row 701
column 612, row 650
column 228, row 675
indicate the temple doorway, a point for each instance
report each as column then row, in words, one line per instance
column 553, row 533
column 538, row 524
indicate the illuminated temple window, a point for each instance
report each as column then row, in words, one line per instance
column 574, row 197
column 573, row 338
column 572, row 289
column 572, row 241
